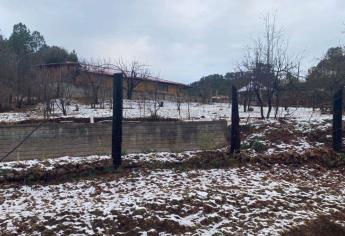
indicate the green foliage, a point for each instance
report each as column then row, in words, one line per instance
column 56, row 54
column 31, row 178
column 3, row 172
column 19, row 85
column 209, row 86
column 72, row 56
column 328, row 75
column 321, row 83
column 217, row 85
column 108, row 169
column 254, row 144
column 259, row 146
column 22, row 41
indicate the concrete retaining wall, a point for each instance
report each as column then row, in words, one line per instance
column 80, row 139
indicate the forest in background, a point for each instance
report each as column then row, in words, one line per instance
column 273, row 75
column 19, row 54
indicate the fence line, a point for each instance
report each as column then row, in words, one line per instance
column 73, row 139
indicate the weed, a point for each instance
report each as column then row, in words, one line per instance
column 146, row 151
column 108, row 169
column 259, row 146
column 254, row 144
column 31, row 178
column 245, row 146
column 3, row 172
column 341, row 157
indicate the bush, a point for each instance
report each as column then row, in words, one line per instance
column 255, row 144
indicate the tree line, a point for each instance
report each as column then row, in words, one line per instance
column 19, row 53
column 270, row 75
column 24, row 81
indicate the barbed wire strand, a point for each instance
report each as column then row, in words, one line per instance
column 21, row 142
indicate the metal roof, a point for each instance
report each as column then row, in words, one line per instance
column 109, row 70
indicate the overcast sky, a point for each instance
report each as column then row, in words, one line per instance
column 181, row 40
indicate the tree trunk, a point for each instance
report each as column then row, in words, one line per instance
column 63, row 107
column 245, row 105
column 269, row 104
column 277, row 107
column 130, row 88
column 10, row 100
column 248, row 103
column 260, row 104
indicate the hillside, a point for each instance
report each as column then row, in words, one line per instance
column 217, row 85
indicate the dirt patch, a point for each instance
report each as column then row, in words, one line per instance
column 233, row 201
column 319, row 156
column 221, row 159
column 322, row 226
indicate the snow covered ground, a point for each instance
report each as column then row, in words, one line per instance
column 280, row 136
column 247, row 201
column 137, row 109
column 51, row 164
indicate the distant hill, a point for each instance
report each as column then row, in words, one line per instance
column 217, row 85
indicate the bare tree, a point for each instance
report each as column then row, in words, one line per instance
column 8, row 72
column 140, row 106
column 178, row 102
column 188, row 108
column 134, row 72
column 46, row 90
column 155, row 103
column 93, row 73
column 270, row 63
column 63, row 91
column 252, row 64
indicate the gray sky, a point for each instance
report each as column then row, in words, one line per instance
column 181, row 40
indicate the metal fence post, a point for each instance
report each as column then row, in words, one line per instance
column 337, row 120
column 117, row 120
column 235, row 142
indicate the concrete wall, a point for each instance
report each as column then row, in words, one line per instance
column 80, row 139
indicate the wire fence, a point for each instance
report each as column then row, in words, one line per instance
column 46, row 140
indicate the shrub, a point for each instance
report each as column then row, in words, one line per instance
column 255, row 144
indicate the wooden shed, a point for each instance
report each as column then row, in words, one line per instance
column 85, row 78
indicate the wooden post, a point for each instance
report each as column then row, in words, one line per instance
column 117, row 120
column 337, row 120
column 235, row 142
